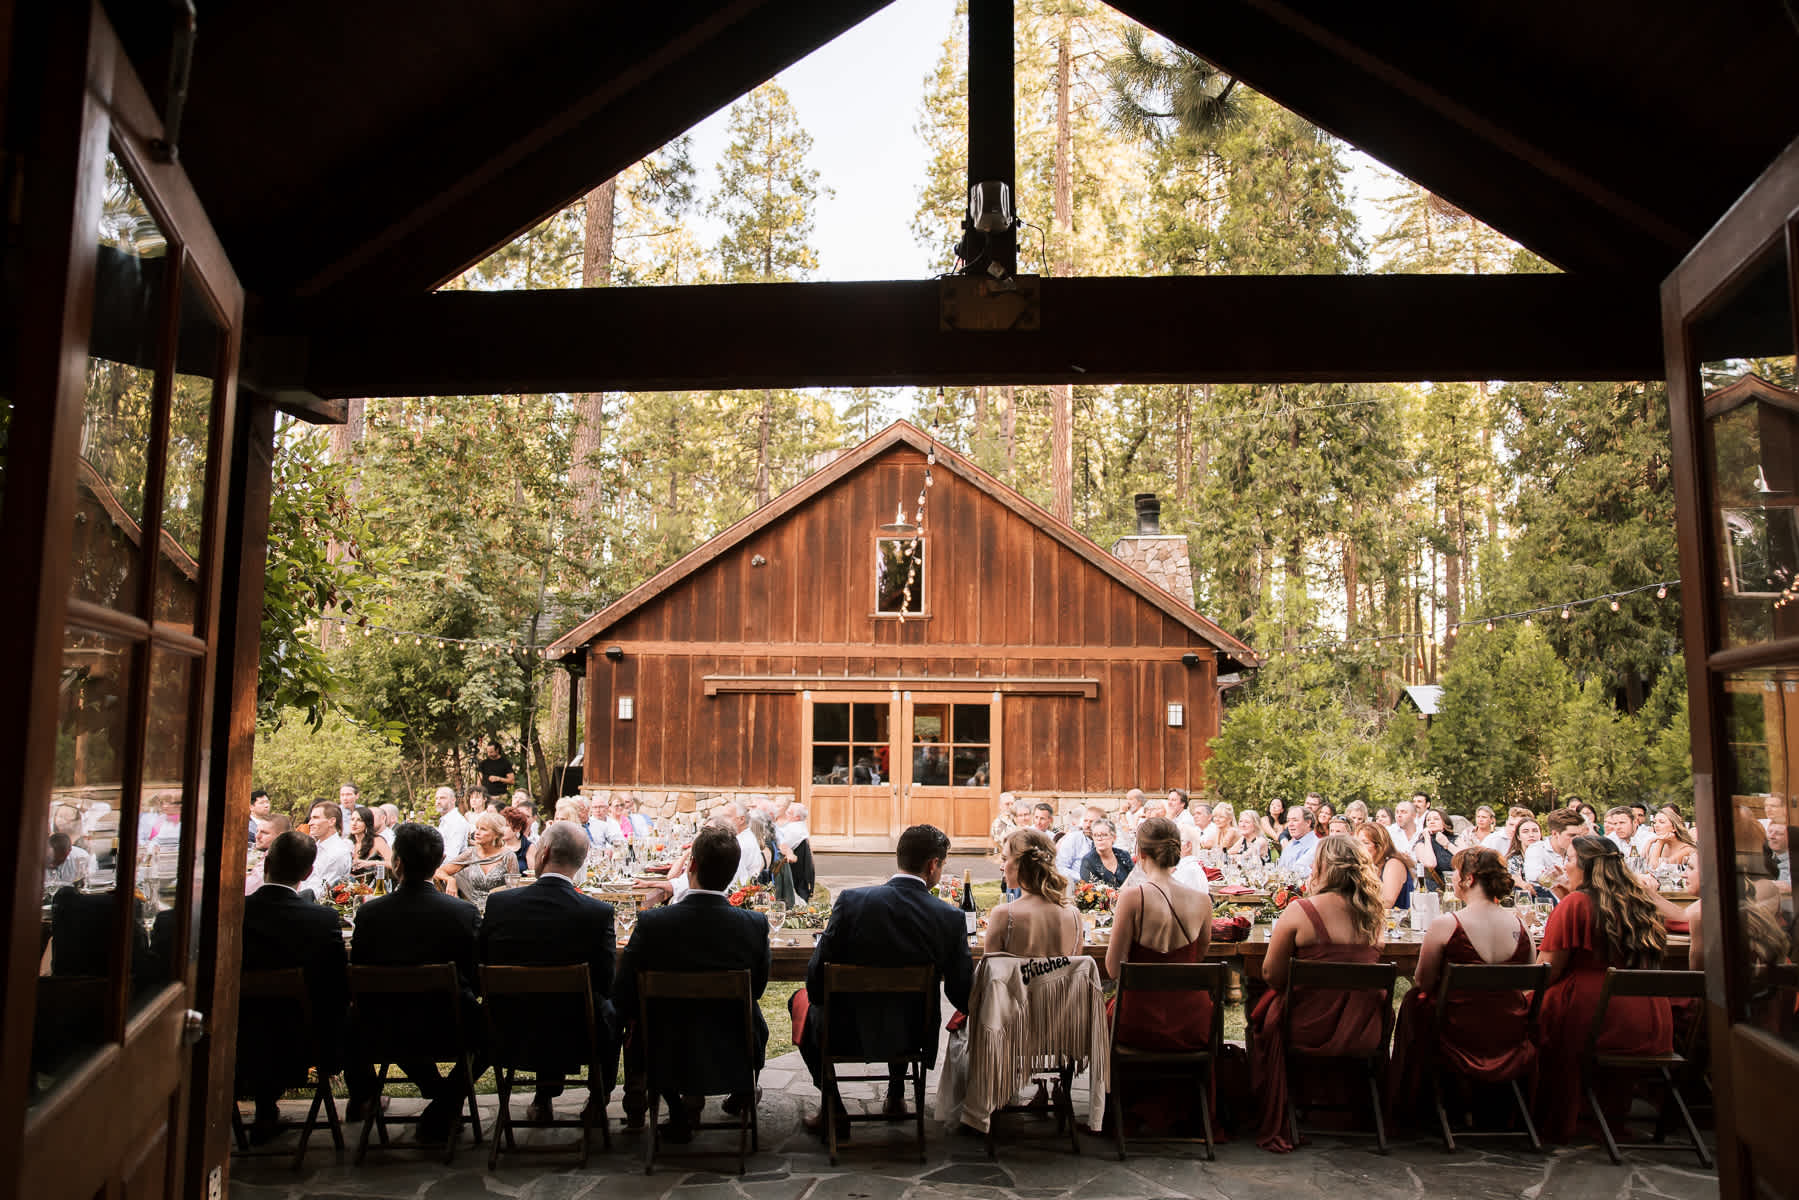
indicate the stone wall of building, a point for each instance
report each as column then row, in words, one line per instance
column 663, row 802
column 1163, row 558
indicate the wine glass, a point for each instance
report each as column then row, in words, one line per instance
column 625, row 916
column 777, row 915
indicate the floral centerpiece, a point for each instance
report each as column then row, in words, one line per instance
column 745, row 896
column 348, row 895
column 1094, row 897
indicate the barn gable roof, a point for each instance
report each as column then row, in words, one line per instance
column 901, row 433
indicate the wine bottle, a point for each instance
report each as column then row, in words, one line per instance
column 968, row 909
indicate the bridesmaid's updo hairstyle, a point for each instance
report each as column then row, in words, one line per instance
column 1035, row 855
column 1485, row 870
column 1159, row 842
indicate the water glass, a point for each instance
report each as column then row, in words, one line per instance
column 777, row 916
column 625, row 916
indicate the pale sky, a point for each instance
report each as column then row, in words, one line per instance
column 859, row 98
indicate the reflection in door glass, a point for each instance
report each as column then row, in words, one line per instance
column 123, row 342
column 197, row 348
column 162, row 834
column 80, row 921
column 1752, row 441
column 1756, row 790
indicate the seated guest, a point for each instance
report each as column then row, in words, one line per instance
column 1439, row 851
column 332, row 865
column 415, row 924
column 1484, row 1032
column 899, row 923
column 518, row 840
column 551, row 924
column 1162, row 921
column 1545, row 857
column 1250, row 846
column 701, row 933
column 1222, row 833
column 68, row 862
column 1526, row 834
column 484, row 866
column 1077, row 843
column 1105, row 863
column 367, row 850
column 1340, row 919
column 1500, row 840
column 1620, row 823
column 1672, row 844
column 1605, row 919
column 267, row 830
column 1302, row 842
column 1040, row 923
column 1394, row 868
column 281, row 930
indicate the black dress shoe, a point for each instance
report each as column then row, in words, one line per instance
column 735, row 1103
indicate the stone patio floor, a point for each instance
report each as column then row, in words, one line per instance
column 880, row 1164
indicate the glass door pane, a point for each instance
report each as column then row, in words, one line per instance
column 199, row 343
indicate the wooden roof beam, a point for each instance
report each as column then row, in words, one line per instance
column 1303, row 56
column 1220, row 329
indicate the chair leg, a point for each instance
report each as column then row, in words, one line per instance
column 1686, row 1116
column 502, row 1119
column 1380, row 1125
column 1436, row 1096
column 1530, row 1126
column 916, row 1070
column 238, row 1131
column 828, row 1094
column 306, row 1127
column 992, row 1144
column 1205, row 1111
column 378, row 1121
column 743, row 1132
column 1605, row 1130
column 1074, row 1129
column 649, row 1141
column 474, row 1108
column 337, row 1126
column 1115, row 1103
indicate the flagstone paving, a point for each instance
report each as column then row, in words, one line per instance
column 1033, row 1164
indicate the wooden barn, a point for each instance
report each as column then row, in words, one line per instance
column 897, row 640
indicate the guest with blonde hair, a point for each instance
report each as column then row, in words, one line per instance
column 1041, row 923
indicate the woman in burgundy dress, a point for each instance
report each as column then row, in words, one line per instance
column 1605, row 919
column 1161, row 922
column 1484, row 1037
column 1339, row 921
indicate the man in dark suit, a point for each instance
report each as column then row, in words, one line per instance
column 901, row 923
column 281, row 930
column 551, row 924
column 700, row 932
column 413, row 925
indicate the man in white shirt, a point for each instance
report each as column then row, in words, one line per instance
column 1129, row 819
column 1076, row 844
column 1618, row 827
column 387, row 819
column 1547, row 856
column 1177, row 809
column 1641, row 832
column 451, row 823
column 334, row 854
column 68, row 862
column 749, row 854
column 349, row 796
column 795, row 829
column 1500, row 840
column 1408, row 830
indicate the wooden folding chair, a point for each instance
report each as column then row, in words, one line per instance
column 734, row 987
column 1483, row 977
column 411, row 1014
column 1669, row 1068
column 1061, row 1077
column 1340, row 977
column 1135, row 979
column 271, row 1004
column 519, row 1004
column 900, row 985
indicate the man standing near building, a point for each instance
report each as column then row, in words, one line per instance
column 452, row 826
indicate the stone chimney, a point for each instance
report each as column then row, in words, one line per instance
column 1160, row 556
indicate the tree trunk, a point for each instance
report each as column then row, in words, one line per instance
column 1349, row 584
column 763, row 436
column 1008, row 431
column 590, row 416
column 980, row 419
column 346, row 444
column 1061, row 395
column 1183, row 446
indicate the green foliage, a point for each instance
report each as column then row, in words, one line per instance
column 299, row 762
column 1491, row 740
column 317, row 563
column 1596, row 751
column 766, row 192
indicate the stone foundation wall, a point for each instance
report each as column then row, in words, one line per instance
column 667, row 802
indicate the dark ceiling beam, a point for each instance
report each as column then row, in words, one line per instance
column 1163, row 330
column 642, row 76
column 1303, row 56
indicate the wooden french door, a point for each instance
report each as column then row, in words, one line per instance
column 119, row 436
column 948, row 745
column 1728, row 315
column 847, row 776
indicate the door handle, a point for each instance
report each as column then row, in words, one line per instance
column 193, row 1027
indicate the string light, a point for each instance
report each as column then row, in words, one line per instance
column 1568, row 612
column 420, row 637
column 1614, row 606
column 1661, row 593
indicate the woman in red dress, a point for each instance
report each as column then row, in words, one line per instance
column 1161, row 922
column 1484, row 1037
column 1339, row 921
column 1605, row 919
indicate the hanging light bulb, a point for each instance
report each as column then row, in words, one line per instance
column 418, row 641
column 899, row 514
column 1661, row 593
column 1566, row 612
column 1452, row 629
column 929, row 479
column 1528, row 622
column 1614, row 606
column 1489, row 627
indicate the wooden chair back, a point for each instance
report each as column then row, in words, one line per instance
column 521, row 1003
column 410, row 1011
column 918, row 982
column 1137, row 978
column 1530, row 978
column 1316, row 975
column 663, row 987
column 1646, row 984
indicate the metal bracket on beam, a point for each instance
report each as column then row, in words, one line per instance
column 970, row 304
